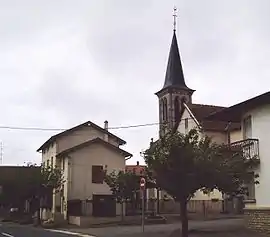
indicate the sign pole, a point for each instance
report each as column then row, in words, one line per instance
column 142, row 186
column 142, row 210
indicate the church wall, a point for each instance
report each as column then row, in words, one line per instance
column 182, row 128
column 217, row 137
column 236, row 136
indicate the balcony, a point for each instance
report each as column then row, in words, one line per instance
column 249, row 147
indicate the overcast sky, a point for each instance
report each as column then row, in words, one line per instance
column 65, row 62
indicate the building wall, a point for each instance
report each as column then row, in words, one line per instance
column 81, row 162
column 218, row 137
column 82, row 135
column 191, row 123
column 260, row 129
column 236, row 136
column 49, row 155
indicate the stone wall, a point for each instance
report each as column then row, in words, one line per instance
column 258, row 219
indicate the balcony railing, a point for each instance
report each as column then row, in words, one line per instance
column 249, row 147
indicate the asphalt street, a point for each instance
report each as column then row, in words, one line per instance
column 11, row 230
column 164, row 230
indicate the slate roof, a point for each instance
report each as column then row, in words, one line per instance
column 174, row 77
column 68, row 131
column 235, row 112
column 91, row 142
column 202, row 112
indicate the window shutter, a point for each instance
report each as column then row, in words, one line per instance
column 97, row 174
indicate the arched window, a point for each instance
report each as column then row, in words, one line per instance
column 165, row 110
column 162, row 110
column 176, row 109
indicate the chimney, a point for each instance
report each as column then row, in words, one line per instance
column 106, row 137
column 138, row 163
column 106, row 125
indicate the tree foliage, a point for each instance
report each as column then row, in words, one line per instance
column 122, row 184
column 182, row 164
column 30, row 182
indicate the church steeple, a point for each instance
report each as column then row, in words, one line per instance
column 174, row 74
column 174, row 91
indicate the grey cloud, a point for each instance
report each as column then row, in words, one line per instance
column 59, row 60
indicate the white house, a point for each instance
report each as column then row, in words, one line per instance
column 83, row 153
column 254, row 115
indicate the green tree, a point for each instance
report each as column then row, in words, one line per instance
column 182, row 164
column 123, row 186
column 44, row 183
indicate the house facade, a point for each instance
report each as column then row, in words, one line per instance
column 254, row 140
column 84, row 153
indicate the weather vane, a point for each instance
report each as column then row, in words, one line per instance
column 174, row 18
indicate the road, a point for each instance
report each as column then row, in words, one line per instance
column 12, row 230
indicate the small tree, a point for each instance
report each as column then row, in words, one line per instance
column 123, row 186
column 182, row 164
column 46, row 182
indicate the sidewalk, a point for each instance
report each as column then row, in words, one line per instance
column 170, row 219
column 224, row 233
column 198, row 228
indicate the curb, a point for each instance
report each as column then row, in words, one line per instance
column 70, row 233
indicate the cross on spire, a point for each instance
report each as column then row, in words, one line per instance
column 174, row 18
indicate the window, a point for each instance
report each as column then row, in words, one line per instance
column 176, row 109
column 63, row 164
column 247, row 128
column 250, row 189
column 51, row 161
column 97, row 174
column 164, row 110
column 186, row 125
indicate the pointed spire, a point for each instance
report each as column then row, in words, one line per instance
column 174, row 77
column 174, row 74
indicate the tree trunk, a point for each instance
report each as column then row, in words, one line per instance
column 184, row 217
column 122, row 211
column 158, row 211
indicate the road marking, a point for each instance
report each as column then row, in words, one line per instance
column 7, row 235
column 69, row 233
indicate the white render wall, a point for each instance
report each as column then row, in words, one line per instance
column 191, row 123
column 261, row 130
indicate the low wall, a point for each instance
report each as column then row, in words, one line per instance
column 194, row 206
column 257, row 219
column 172, row 207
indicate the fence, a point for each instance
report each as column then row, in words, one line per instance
column 172, row 207
column 204, row 207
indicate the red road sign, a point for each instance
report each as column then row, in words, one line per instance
column 142, row 183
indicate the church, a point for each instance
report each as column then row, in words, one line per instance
column 176, row 109
column 179, row 113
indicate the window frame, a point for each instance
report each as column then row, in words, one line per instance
column 97, row 178
column 247, row 127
